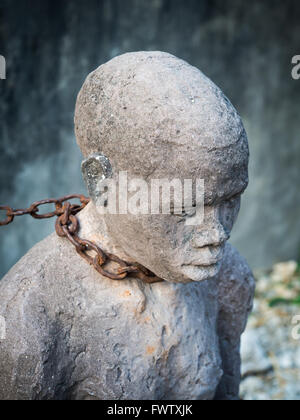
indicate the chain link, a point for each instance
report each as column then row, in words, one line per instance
column 67, row 226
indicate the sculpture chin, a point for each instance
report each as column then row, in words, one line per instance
column 201, row 273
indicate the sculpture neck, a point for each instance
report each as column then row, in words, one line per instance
column 94, row 229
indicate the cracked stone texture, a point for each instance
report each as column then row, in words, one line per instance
column 157, row 117
column 245, row 49
column 144, row 110
column 72, row 334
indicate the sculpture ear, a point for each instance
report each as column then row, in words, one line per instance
column 95, row 168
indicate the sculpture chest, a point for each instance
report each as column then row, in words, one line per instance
column 138, row 341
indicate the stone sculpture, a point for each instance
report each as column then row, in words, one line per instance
column 73, row 334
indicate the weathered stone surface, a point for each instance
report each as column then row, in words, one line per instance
column 145, row 111
column 70, row 333
column 156, row 117
column 51, row 47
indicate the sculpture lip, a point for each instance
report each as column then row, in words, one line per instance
column 215, row 256
column 211, row 263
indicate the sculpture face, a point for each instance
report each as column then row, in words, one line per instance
column 156, row 117
column 172, row 249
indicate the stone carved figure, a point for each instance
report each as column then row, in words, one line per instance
column 73, row 334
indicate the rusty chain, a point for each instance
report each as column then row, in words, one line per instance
column 67, row 226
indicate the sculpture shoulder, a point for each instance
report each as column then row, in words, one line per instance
column 28, row 269
column 236, row 282
column 234, row 263
column 37, row 299
column 47, row 278
column 47, row 259
column 235, row 297
column 51, row 278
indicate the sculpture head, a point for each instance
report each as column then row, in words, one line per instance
column 156, row 117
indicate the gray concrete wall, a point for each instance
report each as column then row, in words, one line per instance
column 50, row 46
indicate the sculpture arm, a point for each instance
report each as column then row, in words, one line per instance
column 33, row 334
column 236, row 292
column 22, row 349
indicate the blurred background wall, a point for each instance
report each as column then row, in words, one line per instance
column 246, row 48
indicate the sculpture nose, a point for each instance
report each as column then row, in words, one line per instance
column 214, row 236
